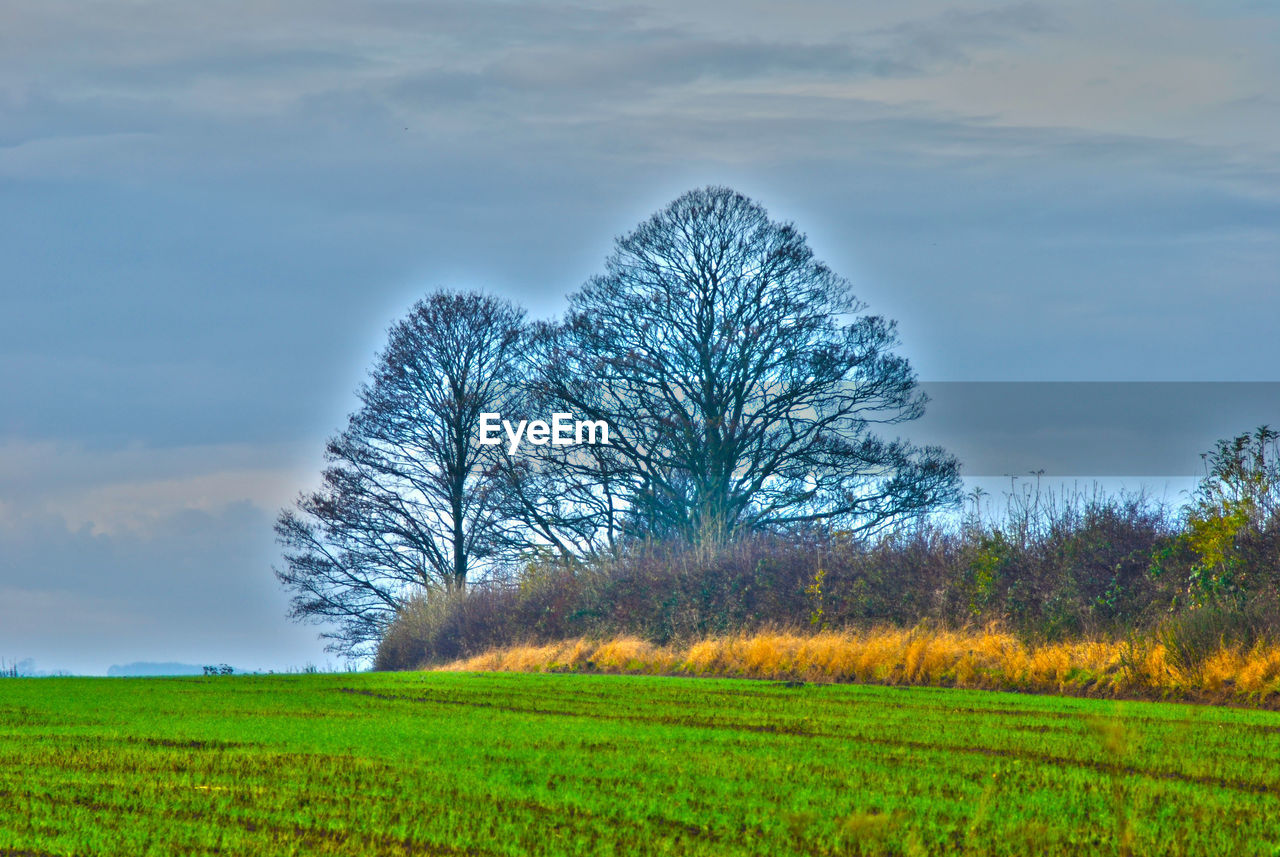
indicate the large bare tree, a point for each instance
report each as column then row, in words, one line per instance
column 741, row 380
column 409, row 501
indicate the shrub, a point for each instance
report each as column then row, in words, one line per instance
column 1052, row 567
column 1232, row 528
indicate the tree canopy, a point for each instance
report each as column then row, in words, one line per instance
column 741, row 378
column 742, row 384
column 408, row 501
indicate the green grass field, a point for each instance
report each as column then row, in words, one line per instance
column 454, row 763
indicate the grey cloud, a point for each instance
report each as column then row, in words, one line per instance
column 951, row 35
column 34, row 473
column 661, row 58
column 142, row 33
column 185, row 70
column 683, row 61
column 241, row 65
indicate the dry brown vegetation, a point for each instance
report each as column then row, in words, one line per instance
column 982, row 659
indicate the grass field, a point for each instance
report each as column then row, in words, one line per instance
column 458, row 763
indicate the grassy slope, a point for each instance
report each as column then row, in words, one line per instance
column 531, row 764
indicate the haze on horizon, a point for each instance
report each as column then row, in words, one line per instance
column 211, row 213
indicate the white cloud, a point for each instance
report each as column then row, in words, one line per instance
column 136, row 489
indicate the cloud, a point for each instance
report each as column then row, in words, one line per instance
column 139, row 489
column 197, row 588
column 950, row 37
column 67, row 157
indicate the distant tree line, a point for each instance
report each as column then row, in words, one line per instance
column 746, row 393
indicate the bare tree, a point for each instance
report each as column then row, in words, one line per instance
column 410, row 499
column 570, row 500
column 740, row 380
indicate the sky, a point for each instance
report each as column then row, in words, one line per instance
column 210, row 214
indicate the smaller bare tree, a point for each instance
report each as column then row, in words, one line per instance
column 409, row 500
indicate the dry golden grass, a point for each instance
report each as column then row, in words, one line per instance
column 988, row 658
